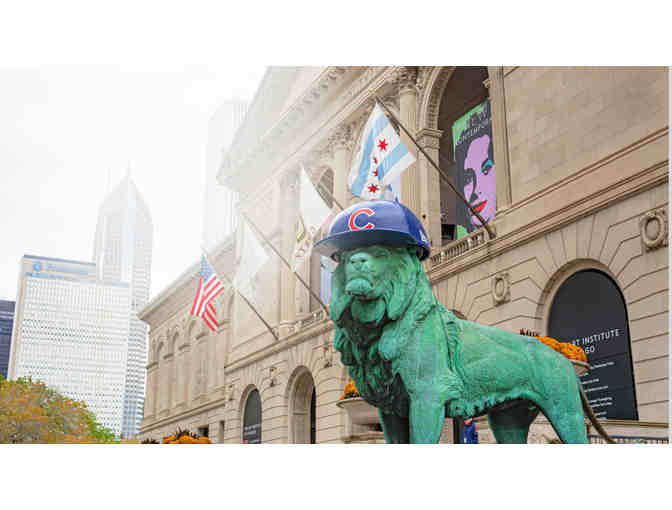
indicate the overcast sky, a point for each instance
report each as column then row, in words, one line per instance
column 63, row 129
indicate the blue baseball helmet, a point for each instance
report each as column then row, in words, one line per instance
column 374, row 222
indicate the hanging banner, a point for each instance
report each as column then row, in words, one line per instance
column 589, row 311
column 474, row 167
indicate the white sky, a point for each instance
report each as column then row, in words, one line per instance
column 63, row 128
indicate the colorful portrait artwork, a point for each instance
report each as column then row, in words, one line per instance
column 475, row 168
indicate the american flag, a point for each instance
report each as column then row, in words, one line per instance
column 209, row 286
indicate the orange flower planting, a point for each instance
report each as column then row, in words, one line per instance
column 568, row 350
column 183, row 436
column 350, row 391
column 551, row 342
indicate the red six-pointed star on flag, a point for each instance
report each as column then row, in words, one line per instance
column 375, row 172
column 382, row 144
column 373, row 188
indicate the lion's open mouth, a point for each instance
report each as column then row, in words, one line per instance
column 360, row 288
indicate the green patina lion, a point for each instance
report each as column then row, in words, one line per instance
column 417, row 362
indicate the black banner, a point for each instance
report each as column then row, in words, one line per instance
column 589, row 311
column 252, row 419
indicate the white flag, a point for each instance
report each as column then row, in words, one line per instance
column 252, row 257
column 313, row 214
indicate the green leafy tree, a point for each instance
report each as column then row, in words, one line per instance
column 31, row 412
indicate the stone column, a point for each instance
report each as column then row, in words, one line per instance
column 500, row 139
column 341, row 145
column 430, row 186
column 408, row 106
column 150, row 403
column 289, row 217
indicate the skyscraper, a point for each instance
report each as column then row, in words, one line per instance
column 219, row 202
column 123, row 252
column 6, row 321
column 70, row 332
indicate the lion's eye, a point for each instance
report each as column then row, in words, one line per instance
column 380, row 253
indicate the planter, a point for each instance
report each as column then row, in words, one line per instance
column 359, row 410
column 580, row 367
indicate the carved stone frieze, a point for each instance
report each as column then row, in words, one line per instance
column 423, row 76
column 341, row 138
column 430, row 138
column 328, row 354
column 407, row 79
column 653, row 228
column 501, row 291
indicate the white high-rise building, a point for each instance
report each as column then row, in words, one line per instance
column 123, row 252
column 71, row 332
column 219, row 203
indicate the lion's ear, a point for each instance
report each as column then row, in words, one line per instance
column 339, row 298
column 404, row 288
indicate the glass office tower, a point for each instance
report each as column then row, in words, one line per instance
column 70, row 332
column 123, row 252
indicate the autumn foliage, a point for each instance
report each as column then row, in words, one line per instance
column 30, row 412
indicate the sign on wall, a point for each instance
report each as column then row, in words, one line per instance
column 252, row 419
column 589, row 311
column 474, row 167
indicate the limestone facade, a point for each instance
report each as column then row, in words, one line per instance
column 582, row 183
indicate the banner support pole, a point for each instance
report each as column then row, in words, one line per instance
column 442, row 174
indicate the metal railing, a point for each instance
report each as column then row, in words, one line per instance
column 597, row 439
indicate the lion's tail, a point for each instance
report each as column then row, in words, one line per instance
column 593, row 419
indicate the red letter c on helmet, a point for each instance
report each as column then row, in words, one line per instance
column 353, row 217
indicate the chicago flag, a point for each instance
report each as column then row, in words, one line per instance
column 381, row 158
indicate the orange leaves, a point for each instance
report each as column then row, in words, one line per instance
column 30, row 412
column 568, row 350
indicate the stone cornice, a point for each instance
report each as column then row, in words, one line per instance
column 240, row 155
column 292, row 138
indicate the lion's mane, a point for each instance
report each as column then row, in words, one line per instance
column 369, row 352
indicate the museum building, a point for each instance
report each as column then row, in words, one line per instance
column 569, row 166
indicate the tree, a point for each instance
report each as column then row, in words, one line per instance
column 31, row 412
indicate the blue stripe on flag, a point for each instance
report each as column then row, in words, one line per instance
column 379, row 125
column 392, row 159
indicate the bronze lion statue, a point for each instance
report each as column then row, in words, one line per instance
column 417, row 362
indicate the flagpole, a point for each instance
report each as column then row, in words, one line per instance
column 324, row 188
column 330, row 195
column 261, row 234
column 441, row 172
column 270, row 329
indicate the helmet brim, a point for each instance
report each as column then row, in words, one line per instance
column 359, row 238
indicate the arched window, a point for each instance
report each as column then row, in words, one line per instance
column 466, row 152
column 302, row 410
column 589, row 311
column 252, row 419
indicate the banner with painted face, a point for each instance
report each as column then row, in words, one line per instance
column 474, row 167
